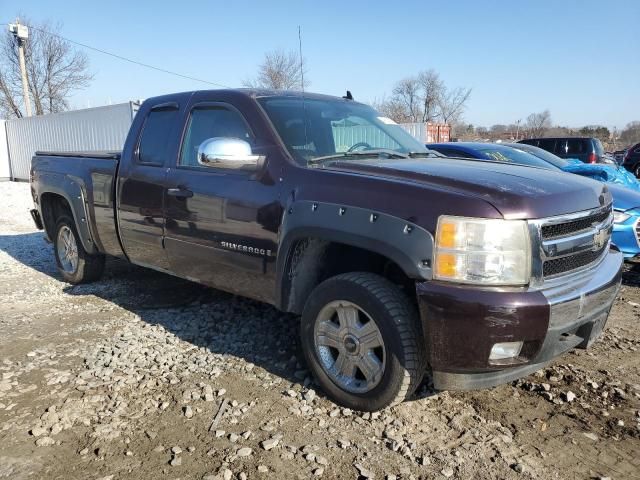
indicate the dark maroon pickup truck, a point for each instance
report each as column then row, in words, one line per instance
column 399, row 261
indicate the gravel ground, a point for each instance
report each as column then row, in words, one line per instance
column 142, row 375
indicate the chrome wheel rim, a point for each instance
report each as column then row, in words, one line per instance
column 349, row 346
column 67, row 250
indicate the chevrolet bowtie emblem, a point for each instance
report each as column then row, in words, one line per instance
column 600, row 239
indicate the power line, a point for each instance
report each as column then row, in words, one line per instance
column 120, row 57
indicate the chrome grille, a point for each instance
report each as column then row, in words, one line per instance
column 569, row 228
column 569, row 243
column 571, row 262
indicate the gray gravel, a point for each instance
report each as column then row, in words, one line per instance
column 142, row 375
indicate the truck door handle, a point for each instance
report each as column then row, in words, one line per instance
column 180, row 192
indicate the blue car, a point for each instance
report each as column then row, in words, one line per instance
column 625, row 191
column 626, row 218
column 597, row 171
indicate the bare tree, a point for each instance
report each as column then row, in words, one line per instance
column 280, row 70
column 498, row 129
column 537, row 124
column 452, row 103
column 482, row 132
column 392, row 108
column 631, row 133
column 54, row 71
column 415, row 99
column 425, row 98
column 460, row 129
column 407, row 94
column 432, row 89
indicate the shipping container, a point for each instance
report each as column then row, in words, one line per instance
column 429, row 132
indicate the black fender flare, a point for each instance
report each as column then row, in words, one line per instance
column 73, row 191
column 405, row 243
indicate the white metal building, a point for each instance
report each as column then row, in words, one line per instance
column 106, row 128
column 100, row 128
column 5, row 172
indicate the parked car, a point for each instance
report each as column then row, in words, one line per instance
column 626, row 227
column 393, row 256
column 626, row 201
column 619, row 155
column 585, row 149
column 631, row 159
column 600, row 172
column 497, row 152
column 609, row 158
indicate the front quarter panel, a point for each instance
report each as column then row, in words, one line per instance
column 407, row 244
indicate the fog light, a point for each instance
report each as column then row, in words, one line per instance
column 502, row 351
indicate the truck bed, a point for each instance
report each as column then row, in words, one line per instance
column 86, row 180
column 101, row 154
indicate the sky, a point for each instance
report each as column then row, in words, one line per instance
column 578, row 58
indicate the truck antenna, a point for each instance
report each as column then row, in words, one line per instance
column 304, row 107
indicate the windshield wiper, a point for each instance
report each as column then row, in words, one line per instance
column 430, row 153
column 378, row 152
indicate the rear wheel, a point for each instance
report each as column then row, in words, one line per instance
column 360, row 336
column 74, row 263
column 637, row 171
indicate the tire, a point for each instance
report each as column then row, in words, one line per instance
column 637, row 171
column 86, row 268
column 400, row 360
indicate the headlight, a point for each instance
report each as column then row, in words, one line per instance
column 620, row 217
column 484, row 252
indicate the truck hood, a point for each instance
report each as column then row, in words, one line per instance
column 515, row 191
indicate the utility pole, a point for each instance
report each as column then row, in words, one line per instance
column 21, row 33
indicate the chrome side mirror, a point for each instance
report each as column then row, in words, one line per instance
column 227, row 152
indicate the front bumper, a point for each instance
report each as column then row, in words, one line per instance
column 461, row 325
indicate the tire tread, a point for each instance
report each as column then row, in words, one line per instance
column 403, row 314
column 90, row 267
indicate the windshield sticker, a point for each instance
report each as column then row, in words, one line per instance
column 387, row 121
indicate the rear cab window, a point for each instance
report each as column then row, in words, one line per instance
column 577, row 146
column 548, row 144
column 598, row 148
column 155, row 140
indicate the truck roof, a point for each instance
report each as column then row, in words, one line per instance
column 254, row 93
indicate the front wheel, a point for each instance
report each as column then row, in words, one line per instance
column 75, row 264
column 360, row 336
column 637, row 171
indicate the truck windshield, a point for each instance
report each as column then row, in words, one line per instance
column 325, row 129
